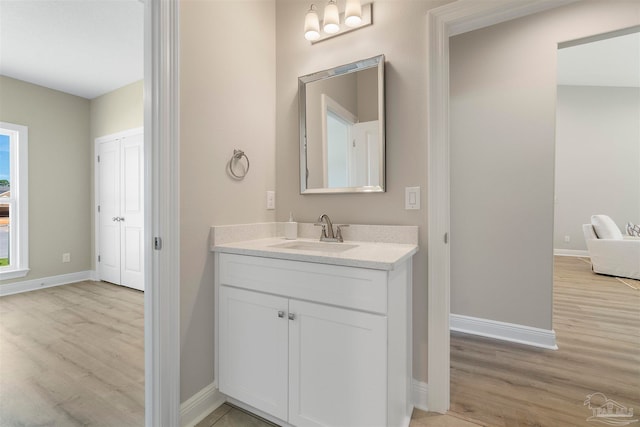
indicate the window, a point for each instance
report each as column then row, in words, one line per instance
column 14, row 200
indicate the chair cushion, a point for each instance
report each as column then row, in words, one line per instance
column 605, row 228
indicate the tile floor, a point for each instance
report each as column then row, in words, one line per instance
column 230, row 416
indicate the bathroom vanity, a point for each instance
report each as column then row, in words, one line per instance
column 315, row 334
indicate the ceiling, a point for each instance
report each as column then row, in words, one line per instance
column 82, row 47
column 609, row 62
column 91, row 47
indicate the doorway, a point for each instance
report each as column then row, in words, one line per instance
column 444, row 22
column 119, row 192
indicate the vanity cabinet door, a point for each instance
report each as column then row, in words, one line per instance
column 253, row 339
column 338, row 366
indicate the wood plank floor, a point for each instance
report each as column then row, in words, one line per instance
column 597, row 324
column 72, row 355
column 230, row 416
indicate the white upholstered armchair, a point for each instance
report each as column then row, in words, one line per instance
column 611, row 253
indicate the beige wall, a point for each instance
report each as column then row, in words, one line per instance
column 399, row 33
column 227, row 95
column 116, row 111
column 503, row 100
column 59, row 175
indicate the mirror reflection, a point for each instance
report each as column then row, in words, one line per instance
column 342, row 129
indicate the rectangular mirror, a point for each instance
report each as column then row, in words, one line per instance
column 342, row 140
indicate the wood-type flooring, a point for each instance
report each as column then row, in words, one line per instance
column 72, row 355
column 597, row 323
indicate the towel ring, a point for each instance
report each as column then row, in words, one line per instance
column 237, row 156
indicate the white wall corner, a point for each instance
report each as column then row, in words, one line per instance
column 201, row 404
column 521, row 334
column 45, row 282
column 420, row 391
column 571, row 252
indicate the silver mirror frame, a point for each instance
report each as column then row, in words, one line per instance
column 377, row 61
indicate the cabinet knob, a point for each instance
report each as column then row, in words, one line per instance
column 292, row 316
column 281, row 314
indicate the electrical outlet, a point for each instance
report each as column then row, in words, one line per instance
column 66, row 257
column 271, row 200
column 567, row 239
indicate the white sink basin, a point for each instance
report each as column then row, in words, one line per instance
column 315, row 246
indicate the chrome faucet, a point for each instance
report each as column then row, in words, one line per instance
column 326, row 235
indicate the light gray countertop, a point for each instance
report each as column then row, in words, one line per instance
column 372, row 255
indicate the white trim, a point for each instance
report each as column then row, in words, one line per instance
column 45, row 282
column 19, row 200
column 122, row 134
column 96, row 190
column 201, row 404
column 571, row 252
column 162, row 204
column 521, row 334
column 442, row 22
column 420, row 394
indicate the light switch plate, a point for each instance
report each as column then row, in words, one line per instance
column 412, row 198
column 271, row 200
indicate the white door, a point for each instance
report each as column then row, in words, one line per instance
column 121, row 210
column 338, row 366
column 365, row 155
column 132, row 212
column 109, row 211
column 253, row 349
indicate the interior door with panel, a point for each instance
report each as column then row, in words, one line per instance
column 120, row 210
column 254, row 349
column 132, row 212
column 108, row 166
column 338, row 366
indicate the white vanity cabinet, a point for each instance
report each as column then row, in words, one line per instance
column 315, row 344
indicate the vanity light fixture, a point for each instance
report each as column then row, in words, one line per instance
column 334, row 23
column 331, row 22
column 353, row 13
column 311, row 24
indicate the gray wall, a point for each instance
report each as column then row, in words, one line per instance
column 503, row 97
column 227, row 58
column 59, row 175
column 399, row 33
column 597, row 159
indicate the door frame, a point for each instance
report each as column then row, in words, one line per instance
column 455, row 18
column 96, row 188
column 162, row 212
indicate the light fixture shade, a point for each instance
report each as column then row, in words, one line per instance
column 331, row 18
column 353, row 13
column 311, row 25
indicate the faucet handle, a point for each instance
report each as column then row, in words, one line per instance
column 323, row 233
column 339, row 231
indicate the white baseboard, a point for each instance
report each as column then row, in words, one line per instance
column 520, row 334
column 420, row 394
column 571, row 252
column 201, row 404
column 45, row 282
